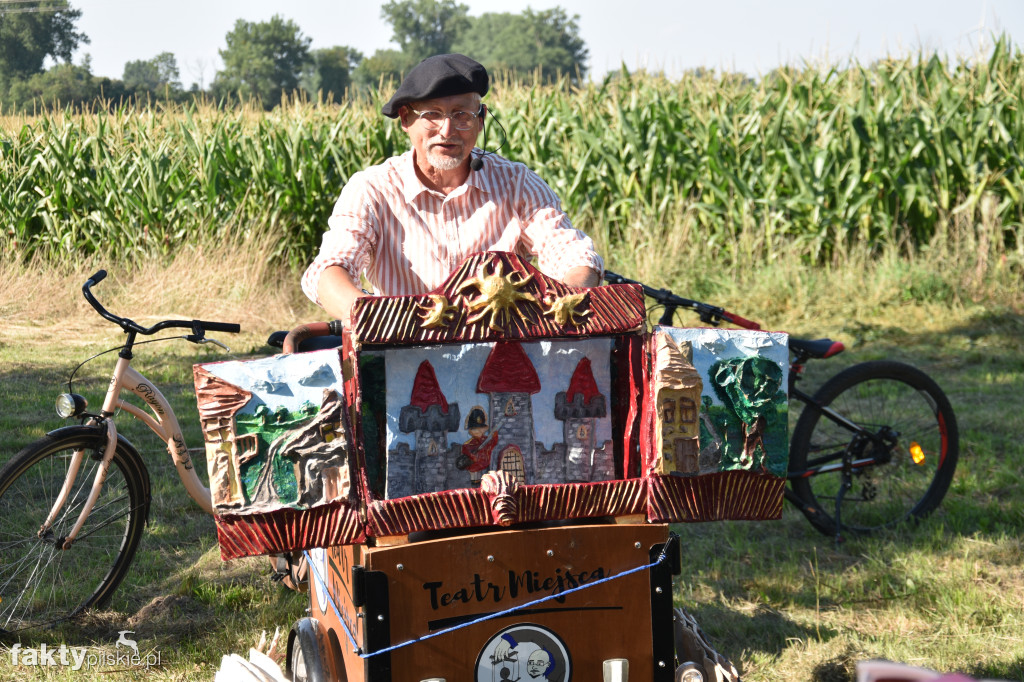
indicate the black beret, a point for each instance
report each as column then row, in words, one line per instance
column 439, row 76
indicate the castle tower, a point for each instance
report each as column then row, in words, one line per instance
column 509, row 378
column 429, row 416
column 579, row 408
column 677, row 392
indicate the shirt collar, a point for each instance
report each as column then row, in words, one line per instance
column 412, row 186
column 480, row 179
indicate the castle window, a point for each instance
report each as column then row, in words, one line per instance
column 687, row 411
column 668, row 411
column 511, row 461
column 329, row 431
column 510, row 408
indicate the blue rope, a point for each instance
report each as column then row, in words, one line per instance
column 491, row 616
column 330, row 600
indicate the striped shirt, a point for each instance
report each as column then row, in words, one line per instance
column 407, row 239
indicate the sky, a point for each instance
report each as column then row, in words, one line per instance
column 749, row 36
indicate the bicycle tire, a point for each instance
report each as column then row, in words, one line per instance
column 875, row 395
column 40, row 584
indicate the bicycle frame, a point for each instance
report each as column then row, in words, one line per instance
column 163, row 422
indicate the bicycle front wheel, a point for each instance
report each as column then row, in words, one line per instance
column 902, row 471
column 41, row 583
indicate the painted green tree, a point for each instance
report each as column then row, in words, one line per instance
column 265, row 477
column 754, row 415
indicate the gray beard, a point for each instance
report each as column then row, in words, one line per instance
column 444, row 163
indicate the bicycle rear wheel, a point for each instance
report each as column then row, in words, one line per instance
column 40, row 583
column 913, row 418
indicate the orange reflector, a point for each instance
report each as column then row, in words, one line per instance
column 916, row 453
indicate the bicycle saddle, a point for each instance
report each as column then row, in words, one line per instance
column 818, row 348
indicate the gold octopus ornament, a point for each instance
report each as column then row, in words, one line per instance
column 440, row 313
column 567, row 310
column 499, row 297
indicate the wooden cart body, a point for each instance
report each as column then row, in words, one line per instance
column 576, row 596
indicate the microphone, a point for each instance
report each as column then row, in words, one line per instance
column 478, row 161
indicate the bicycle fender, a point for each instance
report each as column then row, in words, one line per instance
column 81, row 430
column 94, row 430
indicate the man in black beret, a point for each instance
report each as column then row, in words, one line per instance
column 407, row 223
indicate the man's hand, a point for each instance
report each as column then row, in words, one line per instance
column 581, row 276
column 338, row 292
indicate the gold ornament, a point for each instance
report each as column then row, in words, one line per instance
column 499, row 297
column 566, row 309
column 439, row 314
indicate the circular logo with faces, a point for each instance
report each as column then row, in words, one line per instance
column 524, row 653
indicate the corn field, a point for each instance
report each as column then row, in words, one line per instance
column 812, row 160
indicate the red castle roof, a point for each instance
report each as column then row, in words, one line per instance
column 582, row 382
column 508, row 370
column 425, row 390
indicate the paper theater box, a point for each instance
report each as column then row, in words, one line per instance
column 502, row 397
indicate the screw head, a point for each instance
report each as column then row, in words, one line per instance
column 637, row 545
column 551, row 553
column 490, row 558
column 380, row 617
column 400, row 567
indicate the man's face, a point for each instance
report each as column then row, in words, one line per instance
column 445, row 147
column 538, row 663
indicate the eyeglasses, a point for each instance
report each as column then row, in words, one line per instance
column 461, row 120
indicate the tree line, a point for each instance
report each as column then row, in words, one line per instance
column 269, row 60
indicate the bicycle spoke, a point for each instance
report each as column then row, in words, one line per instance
column 40, row 583
column 103, row 524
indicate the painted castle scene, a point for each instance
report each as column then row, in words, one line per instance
column 274, row 432
column 448, row 414
column 539, row 411
column 720, row 401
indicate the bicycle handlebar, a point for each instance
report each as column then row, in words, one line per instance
column 198, row 327
column 709, row 314
column 740, row 321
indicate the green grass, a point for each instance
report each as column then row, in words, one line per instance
column 776, row 597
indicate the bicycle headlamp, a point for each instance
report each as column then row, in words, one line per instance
column 70, row 405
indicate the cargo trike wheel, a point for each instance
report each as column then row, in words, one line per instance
column 304, row 661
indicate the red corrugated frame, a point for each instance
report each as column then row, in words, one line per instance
column 726, row 495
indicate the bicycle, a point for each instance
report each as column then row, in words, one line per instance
column 75, row 502
column 875, row 446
